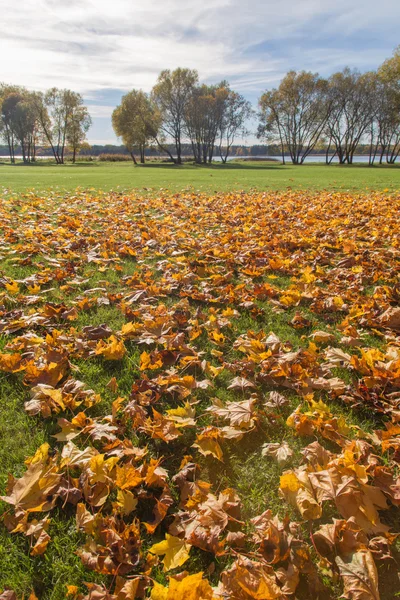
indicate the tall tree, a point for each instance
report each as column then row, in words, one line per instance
column 10, row 95
column 388, row 113
column 19, row 122
column 203, row 119
column 390, row 69
column 137, row 122
column 55, row 111
column 352, row 101
column 295, row 114
column 171, row 94
column 79, row 124
column 236, row 113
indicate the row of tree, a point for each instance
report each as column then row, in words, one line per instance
column 56, row 118
column 306, row 112
column 178, row 109
column 340, row 113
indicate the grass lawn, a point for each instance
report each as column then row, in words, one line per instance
column 217, row 178
column 238, row 353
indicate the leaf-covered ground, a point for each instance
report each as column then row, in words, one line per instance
column 200, row 396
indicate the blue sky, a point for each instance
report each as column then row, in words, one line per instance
column 105, row 48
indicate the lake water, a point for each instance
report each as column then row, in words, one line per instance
column 312, row 158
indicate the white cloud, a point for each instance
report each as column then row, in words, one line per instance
column 100, row 111
column 89, row 45
column 93, row 46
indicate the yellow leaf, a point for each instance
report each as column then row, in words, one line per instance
column 146, row 362
column 192, row 587
column 208, row 446
column 159, row 592
column 111, row 349
column 176, row 551
column 12, row 288
column 289, row 482
column 126, row 501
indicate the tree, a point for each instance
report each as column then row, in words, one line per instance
column 390, row 70
column 79, row 124
column 236, row 112
column 352, row 102
column 203, row 119
column 388, row 112
column 295, row 114
column 55, row 110
column 9, row 98
column 137, row 122
column 19, row 122
column 171, row 94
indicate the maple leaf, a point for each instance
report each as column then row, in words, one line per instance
column 176, row 551
column 297, row 489
column 359, row 574
column 240, row 383
column 207, row 443
column 12, row 288
column 126, row 502
column 276, row 400
column 322, row 337
column 111, row 349
column 390, row 318
column 97, row 332
column 239, row 414
column 84, row 519
column 36, row 490
column 191, row 587
column 183, row 416
column 127, row 477
column 11, row 363
column 147, row 361
column 247, row 580
column 281, row 452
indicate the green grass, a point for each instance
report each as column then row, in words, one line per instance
column 215, row 178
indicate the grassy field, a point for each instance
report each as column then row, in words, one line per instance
column 217, row 178
column 218, row 338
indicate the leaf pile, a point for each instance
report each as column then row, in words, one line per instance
column 257, row 323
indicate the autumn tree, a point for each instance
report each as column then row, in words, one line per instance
column 79, row 124
column 352, row 107
column 10, row 95
column 19, row 122
column 136, row 120
column 171, row 95
column 387, row 118
column 56, row 109
column 295, row 114
column 236, row 113
column 390, row 69
column 203, row 119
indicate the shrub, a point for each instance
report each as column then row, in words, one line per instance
column 114, row 157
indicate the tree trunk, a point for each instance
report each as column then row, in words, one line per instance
column 164, row 149
column 178, row 151
column 133, row 158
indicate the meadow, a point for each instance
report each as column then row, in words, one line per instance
column 233, row 176
column 199, row 387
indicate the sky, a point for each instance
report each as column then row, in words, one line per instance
column 104, row 48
